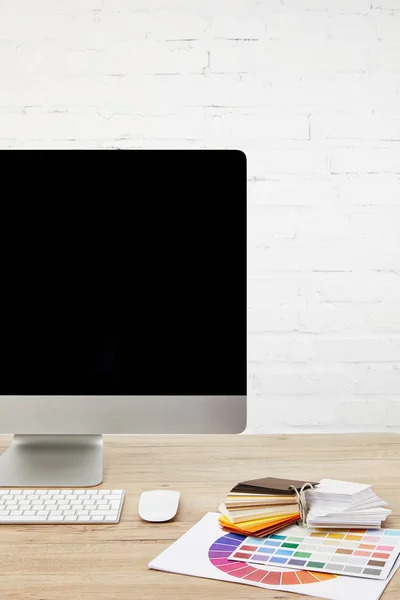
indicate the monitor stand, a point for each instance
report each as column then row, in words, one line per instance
column 52, row 461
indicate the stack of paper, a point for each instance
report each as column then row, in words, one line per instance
column 343, row 504
column 260, row 506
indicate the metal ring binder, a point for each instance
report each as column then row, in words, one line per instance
column 301, row 499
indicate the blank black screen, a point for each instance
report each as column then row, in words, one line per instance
column 123, row 272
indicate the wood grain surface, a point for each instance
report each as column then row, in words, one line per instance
column 109, row 562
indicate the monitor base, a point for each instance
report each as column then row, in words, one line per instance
column 52, row 461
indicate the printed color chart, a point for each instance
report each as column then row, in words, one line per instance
column 359, row 553
column 219, row 556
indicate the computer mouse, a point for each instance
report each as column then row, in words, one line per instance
column 158, row 505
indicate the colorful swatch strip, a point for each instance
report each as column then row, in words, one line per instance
column 223, row 547
column 360, row 553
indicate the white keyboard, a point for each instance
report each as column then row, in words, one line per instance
column 60, row 506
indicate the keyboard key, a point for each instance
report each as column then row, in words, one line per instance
column 68, row 513
column 82, row 512
column 70, row 518
column 97, row 513
column 55, row 519
column 43, row 513
column 56, row 513
column 97, row 518
column 16, row 513
column 85, row 519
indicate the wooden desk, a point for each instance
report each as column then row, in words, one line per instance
column 109, row 562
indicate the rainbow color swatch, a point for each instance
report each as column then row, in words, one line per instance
column 222, row 549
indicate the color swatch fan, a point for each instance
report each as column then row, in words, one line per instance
column 261, row 506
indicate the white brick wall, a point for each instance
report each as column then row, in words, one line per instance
column 310, row 90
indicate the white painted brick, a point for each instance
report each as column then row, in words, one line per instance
column 353, row 27
column 345, row 126
column 340, row 91
column 379, row 380
column 66, row 125
column 272, row 317
column 350, row 6
column 265, row 222
column 383, row 58
column 374, row 223
column 386, row 4
column 267, row 348
column 306, row 414
column 281, row 192
column 50, row 7
column 236, row 57
column 162, row 26
column 171, row 57
column 294, row 381
column 368, row 190
column 388, row 28
column 393, row 412
column 263, row 161
column 237, row 28
column 208, row 8
column 364, row 256
column 362, row 317
column 356, row 286
column 359, row 160
column 357, row 350
column 283, row 57
column 259, row 126
column 276, row 289
column 134, row 91
column 362, row 413
column 324, row 223
column 293, row 25
column 120, row 59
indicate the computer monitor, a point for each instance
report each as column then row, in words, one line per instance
column 123, row 303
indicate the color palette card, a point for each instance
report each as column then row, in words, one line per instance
column 204, row 551
column 360, row 553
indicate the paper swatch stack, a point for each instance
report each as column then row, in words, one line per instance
column 261, row 506
column 342, row 504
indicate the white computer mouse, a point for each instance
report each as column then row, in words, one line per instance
column 158, row 505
